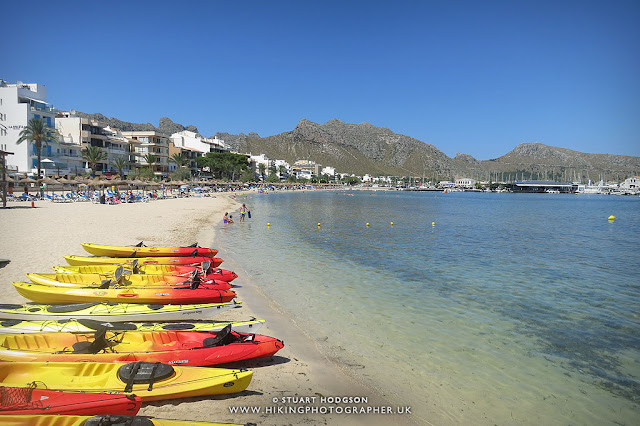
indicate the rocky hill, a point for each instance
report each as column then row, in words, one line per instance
column 166, row 125
column 350, row 148
column 364, row 148
column 549, row 162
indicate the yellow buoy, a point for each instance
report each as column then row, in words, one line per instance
column 318, row 224
column 391, row 223
column 367, row 223
column 433, row 224
column 612, row 217
column 268, row 224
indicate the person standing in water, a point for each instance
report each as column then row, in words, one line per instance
column 243, row 212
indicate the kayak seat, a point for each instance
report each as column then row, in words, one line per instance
column 224, row 337
column 99, row 343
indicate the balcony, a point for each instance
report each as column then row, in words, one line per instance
column 42, row 108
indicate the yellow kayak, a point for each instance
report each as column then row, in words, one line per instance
column 114, row 311
column 141, row 250
column 135, row 280
column 205, row 270
column 169, row 260
column 16, row 326
column 148, row 295
column 101, row 420
column 150, row 381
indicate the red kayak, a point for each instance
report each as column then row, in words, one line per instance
column 192, row 348
column 43, row 401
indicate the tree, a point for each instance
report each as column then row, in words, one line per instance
column 93, row 155
column 262, row 168
column 224, row 164
column 180, row 174
column 120, row 163
column 180, row 159
column 272, row 178
column 351, row 180
column 38, row 133
column 150, row 159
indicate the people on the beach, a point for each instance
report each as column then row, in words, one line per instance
column 225, row 219
column 243, row 212
column 231, row 219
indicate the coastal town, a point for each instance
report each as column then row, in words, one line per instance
column 84, row 147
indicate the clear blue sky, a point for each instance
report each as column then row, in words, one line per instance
column 477, row 77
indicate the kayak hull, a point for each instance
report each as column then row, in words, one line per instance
column 124, row 251
column 179, row 270
column 25, row 401
column 115, row 312
column 47, row 294
column 128, row 280
column 175, row 260
column 187, row 348
column 99, row 377
column 51, row 420
column 14, row 326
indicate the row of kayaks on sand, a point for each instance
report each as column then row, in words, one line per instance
column 106, row 334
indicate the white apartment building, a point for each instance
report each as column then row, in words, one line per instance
column 287, row 168
column 193, row 145
column 20, row 103
column 631, row 183
column 150, row 142
column 465, row 183
column 188, row 139
column 328, row 170
column 78, row 133
column 306, row 169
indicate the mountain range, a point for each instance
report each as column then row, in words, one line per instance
column 366, row 149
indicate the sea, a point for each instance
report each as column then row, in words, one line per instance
column 471, row 308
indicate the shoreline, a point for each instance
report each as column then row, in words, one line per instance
column 36, row 239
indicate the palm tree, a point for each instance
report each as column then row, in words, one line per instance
column 93, row 155
column 38, row 133
column 120, row 163
column 281, row 171
column 180, row 159
column 150, row 159
column 262, row 168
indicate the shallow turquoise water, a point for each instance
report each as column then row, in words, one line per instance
column 513, row 308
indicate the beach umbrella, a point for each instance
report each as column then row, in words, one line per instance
column 27, row 180
column 64, row 181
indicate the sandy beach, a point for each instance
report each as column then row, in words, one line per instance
column 299, row 376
